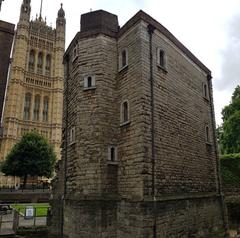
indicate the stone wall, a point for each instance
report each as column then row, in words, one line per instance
column 120, row 198
column 6, row 39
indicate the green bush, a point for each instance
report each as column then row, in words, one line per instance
column 230, row 169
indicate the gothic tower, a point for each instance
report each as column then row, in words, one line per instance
column 35, row 85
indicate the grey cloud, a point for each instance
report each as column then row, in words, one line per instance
column 230, row 69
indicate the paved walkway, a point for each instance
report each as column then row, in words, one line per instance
column 6, row 227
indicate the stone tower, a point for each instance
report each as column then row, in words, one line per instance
column 139, row 147
column 35, row 88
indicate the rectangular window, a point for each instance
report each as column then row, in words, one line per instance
column 162, row 59
column 205, row 91
column 72, row 135
column 123, row 59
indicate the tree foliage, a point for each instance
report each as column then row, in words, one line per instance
column 32, row 155
column 229, row 132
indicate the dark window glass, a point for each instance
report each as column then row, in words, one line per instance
column 125, row 111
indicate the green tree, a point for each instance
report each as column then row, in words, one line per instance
column 229, row 136
column 32, row 155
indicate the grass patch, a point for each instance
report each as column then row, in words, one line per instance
column 40, row 208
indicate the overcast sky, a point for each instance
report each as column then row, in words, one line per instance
column 210, row 29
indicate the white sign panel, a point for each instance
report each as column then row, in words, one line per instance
column 29, row 212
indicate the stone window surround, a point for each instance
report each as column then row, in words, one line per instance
column 120, row 60
column 72, row 135
column 207, row 135
column 161, row 59
column 112, row 148
column 86, row 82
column 205, row 91
column 122, row 121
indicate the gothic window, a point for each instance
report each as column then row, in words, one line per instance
column 112, row 153
column 36, row 109
column 123, row 59
column 125, row 112
column 40, row 63
column 45, row 109
column 89, row 82
column 31, row 62
column 161, row 58
column 27, row 106
column 48, row 65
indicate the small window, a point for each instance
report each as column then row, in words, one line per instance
column 161, row 58
column 75, row 52
column 48, row 65
column 89, row 82
column 45, row 109
column 123, row 59
column 31, row 62
column 112, row 153
column 36, row 108
column 72, row 135
column 27, row 106
column 205, row 91
column 40, row 63
column 125, row 112
column 207, row 134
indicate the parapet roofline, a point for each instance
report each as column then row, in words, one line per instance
column 141, row 15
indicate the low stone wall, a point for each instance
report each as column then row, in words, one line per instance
column 123, row 219
column 24, row 196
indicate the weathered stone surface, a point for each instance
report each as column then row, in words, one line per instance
column 181, row 191
column 6, row 38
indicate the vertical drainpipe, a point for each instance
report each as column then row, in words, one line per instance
column 66, row 62
column 151, row 29
column 219, row 184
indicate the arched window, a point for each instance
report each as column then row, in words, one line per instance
column 31, row 62
column 27, row 106
column 40, row 63
column 36, row 108
column 124, row 112
column 48, row 65
column 45, row 109
column 89, row 82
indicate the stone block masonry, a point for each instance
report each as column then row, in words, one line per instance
column 139, row 149
column 6, row 39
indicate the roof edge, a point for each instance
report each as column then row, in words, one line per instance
column 141, row 15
